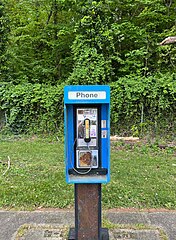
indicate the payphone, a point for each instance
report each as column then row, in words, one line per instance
column 87, row 133
column 87, row 138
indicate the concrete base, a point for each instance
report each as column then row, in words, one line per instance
column 129, row 234
column 54, row 224
column 46, row 232
column 104, row 235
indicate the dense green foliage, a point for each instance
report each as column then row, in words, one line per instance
column 33, row 108
column 46, row 44
column 4, row 30
column 144, row 104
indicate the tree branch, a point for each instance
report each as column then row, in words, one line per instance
column 49, row 16
column 168, row 40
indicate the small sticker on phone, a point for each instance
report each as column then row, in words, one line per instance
column 103, row 123
column 93, row 131
column 104, row 134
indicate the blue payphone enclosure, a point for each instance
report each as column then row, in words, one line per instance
column 83, row 97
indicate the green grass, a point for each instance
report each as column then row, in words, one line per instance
column 36, row 175
column 141, row 176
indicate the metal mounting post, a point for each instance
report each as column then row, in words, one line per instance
column 88, row 214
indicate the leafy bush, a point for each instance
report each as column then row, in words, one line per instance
column 140, row 104
column 32, row 107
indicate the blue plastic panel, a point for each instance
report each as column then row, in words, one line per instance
column 84, row 96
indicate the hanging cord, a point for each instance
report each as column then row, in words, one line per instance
column 81, row 173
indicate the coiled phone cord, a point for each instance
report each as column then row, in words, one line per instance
column 81, row 173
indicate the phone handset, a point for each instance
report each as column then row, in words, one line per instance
column 87, row 130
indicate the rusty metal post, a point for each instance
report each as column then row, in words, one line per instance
column 87, row 211
column 88, row 214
